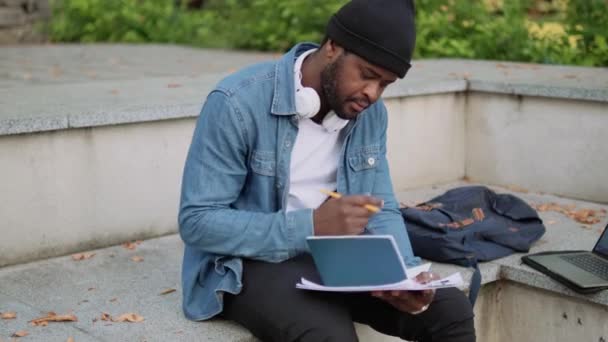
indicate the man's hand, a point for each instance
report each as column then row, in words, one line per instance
column 413, row 302
column 343, row 216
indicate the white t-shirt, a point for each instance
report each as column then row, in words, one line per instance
column 314, row 163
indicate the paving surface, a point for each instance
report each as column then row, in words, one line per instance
column 52, row 87
column 111, row 282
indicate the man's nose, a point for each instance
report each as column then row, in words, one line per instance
column 372, row 91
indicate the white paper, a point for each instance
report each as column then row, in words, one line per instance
column 409, row 284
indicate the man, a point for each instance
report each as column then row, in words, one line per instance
column 268, row 139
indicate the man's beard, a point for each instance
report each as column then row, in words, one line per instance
column 329, row 84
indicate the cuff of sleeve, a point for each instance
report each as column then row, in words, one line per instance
column 299, row 227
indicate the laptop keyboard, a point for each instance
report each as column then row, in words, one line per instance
column 589, row 263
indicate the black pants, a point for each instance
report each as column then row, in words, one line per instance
column 274, row 310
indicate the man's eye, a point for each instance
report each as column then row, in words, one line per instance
column 366, row 76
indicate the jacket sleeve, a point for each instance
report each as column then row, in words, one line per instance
column 389, row 220
column 214, row 175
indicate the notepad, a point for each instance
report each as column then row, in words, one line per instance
column 365, row 263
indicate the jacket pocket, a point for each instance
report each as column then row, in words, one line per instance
column 364, row 158
column 263, row 163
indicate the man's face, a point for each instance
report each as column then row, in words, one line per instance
column 351, row 84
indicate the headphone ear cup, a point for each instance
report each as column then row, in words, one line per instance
column 308, row 103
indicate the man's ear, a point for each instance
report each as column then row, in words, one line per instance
column 331, row 49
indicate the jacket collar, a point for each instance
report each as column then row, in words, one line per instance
column 283, row 99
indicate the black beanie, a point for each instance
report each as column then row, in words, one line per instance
column 380, row 31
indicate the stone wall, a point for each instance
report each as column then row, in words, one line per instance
column 19, row 20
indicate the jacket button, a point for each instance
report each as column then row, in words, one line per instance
column 371, row 161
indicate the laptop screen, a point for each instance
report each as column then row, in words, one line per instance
column 601, row 247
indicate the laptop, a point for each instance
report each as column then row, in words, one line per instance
column 581, row 271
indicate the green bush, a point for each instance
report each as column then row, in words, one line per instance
column 131, row 21
column 542, row 31
column 273, row 25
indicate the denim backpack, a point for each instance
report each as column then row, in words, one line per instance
column 470, row 224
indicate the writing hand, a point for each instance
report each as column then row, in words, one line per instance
column 346, row 215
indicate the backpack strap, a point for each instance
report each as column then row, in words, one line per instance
column 475, row 285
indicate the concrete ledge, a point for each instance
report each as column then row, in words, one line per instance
column 112, row 282
column 68, row 89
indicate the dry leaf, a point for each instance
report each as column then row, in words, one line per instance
column 114, row 92
column 129, row 317
column 82, row 256
column 91, row 289
column 8, row 315
column 53, row 317
column 105, row 317
column 167, row 291
column 20, row 333
column 587, row 216
column 173, row 85
column 113, row 300
column 70, row 339
column 137, row 258
column 131, row 245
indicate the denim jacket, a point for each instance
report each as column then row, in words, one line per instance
column 236, row 182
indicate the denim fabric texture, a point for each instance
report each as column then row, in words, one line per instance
column 236, row 182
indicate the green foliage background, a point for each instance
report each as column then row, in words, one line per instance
column 542, row 31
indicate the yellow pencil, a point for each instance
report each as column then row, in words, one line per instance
column 334, row 194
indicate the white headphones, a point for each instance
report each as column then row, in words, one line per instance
column 308, row 102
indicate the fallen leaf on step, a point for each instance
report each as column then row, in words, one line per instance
column 82, row 256
column 8, row 315
column 113, row 300
column 105, row 317
column 586, row 216
column 137, row 258
column 129, row 317
column 20, row 333
column 173, row 85
column 53, row 317
column 131, row 245
column 70, row 339
column 167, row 291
